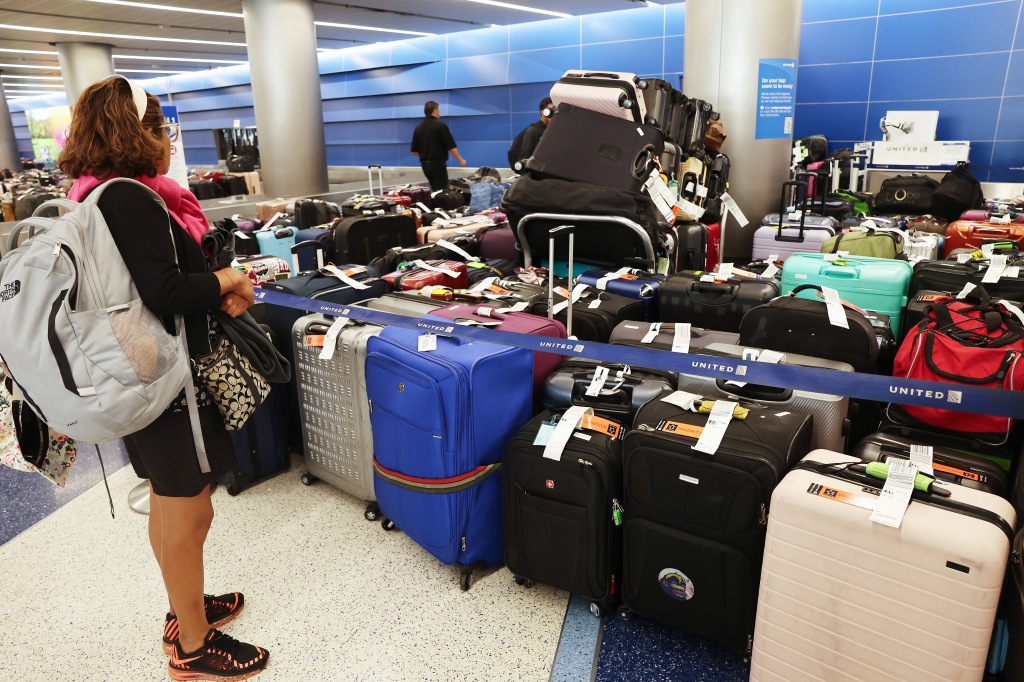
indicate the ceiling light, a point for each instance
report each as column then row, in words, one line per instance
column 147, row 58
column 35, row 78
column 16, row 95
column 35, row 86
column 368, row 28
column 167, row 8
column 11, row 49
column 122, row 36
column 28, row 66
column 509, row 5
column 148, row 71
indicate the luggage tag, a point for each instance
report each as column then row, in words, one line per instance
column 652, row 333
column 996, row 266
column 456, row 249
column 724, row 272
column 690, row 208
column 681, row 338
column 483, row 284
column 834, row 306
column 718, row 421
column 770, row 271
column 563, row 431
column 683, row 399
column 895, row 496
column 964, row 257
column 732, row 207
column 597, row 383
column 426, row 342
column 988, row 249
column 755, row 355
column 433, row 268
column 922, row 456
column 661, row 195
column 1017, row 312
column 1000, row 220
column 346, row 275
column 602, row 283
column 266, row 225
column 577, row 292
column 331, row 338
column 701, row 191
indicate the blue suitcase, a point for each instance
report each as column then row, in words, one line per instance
column 878, row 284
column 307, row 259
column 440, row 421
column 277, row 242
column 635, row 284
column 321, row 285
column 261, row 447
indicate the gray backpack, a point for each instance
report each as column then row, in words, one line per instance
column 92, row 361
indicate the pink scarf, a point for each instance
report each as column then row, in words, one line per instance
column 181, row 204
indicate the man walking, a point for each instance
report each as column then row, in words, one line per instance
column 432, row 142
column 526, row 141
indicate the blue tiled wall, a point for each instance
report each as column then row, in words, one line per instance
column 858, row 59
column 861, row 58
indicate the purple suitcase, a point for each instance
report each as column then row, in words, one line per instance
column 498, row 242
column 419, row 195
column 982, row 216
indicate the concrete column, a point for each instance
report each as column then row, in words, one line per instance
column 9, row 156
column 286, row 95
column 725, row 39
column 83, row 64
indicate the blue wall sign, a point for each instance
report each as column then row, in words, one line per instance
column 776, row 98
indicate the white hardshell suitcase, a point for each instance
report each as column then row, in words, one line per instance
column 830, row 412
column 782, row 234
column 844, row 599
column 334, row 408
column 612, row 93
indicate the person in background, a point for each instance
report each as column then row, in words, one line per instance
column 119, row 130
column 526, row 141
column 432, row 142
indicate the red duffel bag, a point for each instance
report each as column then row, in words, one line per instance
column 973, row 342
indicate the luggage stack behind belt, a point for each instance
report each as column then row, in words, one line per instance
column 678, row 496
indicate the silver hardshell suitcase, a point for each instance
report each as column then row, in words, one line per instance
column 410, row 305
column 612, row 93
column 334, row 408
column 843, row 598
column 831, row 424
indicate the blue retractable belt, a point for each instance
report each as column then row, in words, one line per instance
column 933, row 394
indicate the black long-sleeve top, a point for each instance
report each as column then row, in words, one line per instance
column 139, row 227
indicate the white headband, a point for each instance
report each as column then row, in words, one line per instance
column 138, row 94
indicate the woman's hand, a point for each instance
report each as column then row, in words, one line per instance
column 236, row 291
column 233, row 304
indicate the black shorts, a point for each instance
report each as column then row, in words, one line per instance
column 165, row 453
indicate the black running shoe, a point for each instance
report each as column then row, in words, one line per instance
column 221, row 658
column 220, row 610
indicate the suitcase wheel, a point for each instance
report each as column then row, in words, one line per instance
column 232, row 490
column 624, row 613
column 386, row 523
column 309, row 479
column 372, row 512
column 595, row 609
column 524, row 582
column 465, row 580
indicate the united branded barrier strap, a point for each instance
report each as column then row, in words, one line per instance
column 866, row 386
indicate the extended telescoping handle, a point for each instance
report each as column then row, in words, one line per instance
column 380, row 177
column 787, row 186
column 819, row 178
column 553, row 234
column 302, row 246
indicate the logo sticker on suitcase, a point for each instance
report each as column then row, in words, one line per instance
column 675, row 584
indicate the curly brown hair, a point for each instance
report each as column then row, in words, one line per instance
column 106, row 137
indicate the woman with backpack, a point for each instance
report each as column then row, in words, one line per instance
column 119, row 130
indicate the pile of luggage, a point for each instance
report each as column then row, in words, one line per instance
column 22, row 193
column 217, row 185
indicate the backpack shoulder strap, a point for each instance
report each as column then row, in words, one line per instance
column 94, row 196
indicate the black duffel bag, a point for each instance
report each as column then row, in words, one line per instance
column 959, row 191
column 242, row 163
column 906, row 194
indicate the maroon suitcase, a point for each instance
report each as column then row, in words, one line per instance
column 435, row 274
column 499, row 242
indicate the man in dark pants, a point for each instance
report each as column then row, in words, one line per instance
column 526, row 141
column 432, row 142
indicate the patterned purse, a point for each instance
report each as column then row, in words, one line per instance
column 236, row 387
column 27, row 444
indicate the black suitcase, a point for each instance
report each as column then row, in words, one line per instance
column 695, row 525
column 670, row 160
column 492, row 267
column 630, row 333
column 697, row 115
column 950, row 465
column 691, row 245
column 393, row 258
column 563, row 516
column 367, row 206
column 593, row 324
column 712, row 305
column 944, row 275
column 313, row 212
column 661, row 99
column 360, row 239
column 585, row 146
column 261, row 447
column 233, row 185
column 625, row 390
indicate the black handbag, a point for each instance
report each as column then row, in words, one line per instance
column 906, row 194
column 242, row 163
column 959, row 191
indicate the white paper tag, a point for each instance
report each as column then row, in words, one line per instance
column 771, row 356
column 340, row 274
column 831, row 257
column 734, row 209
column 331, row 338
column 428, row 291
column 968, row 288
column 597, row 383
column 602, row 283
column 577, row 291
column 660, row 194
column 690, row 209
column 241, row 235
column 963, row 257
column 895, row 496
column 443, row 214
column 273, row 219
column 702, row 191
column 519, row 307
column 922, row 457
column 724, row 272
column 770, row 271
column 483, row 284
column 707, row 278
column 988, row 249
column 563, row 431
column 595, row 304
column 687, row 401
column 995, row 269
column 681, row 340
column 1000, row 220
column 688, row 188
column 581, row 436
column 426, row 342
column 433, row 268
column 423, row 207
column 652, row 333
column 795, row 216
column 544, row 434
column 1018, row 313
column 1012, row 271
column 836, row 314
column 714, row 430
column 772, row 257
column 444, row 243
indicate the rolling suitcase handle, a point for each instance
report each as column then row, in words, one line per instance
column 787, row 187
column 820, row 177
column 552, row 235
column 380, row 177
column 311, row 244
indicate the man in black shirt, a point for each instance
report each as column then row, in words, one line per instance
column 526, row 141
column 431, row 142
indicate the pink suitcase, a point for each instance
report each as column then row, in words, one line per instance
column 983, row 216
column 843, row 598
column 611, row 93
column 508, row 321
